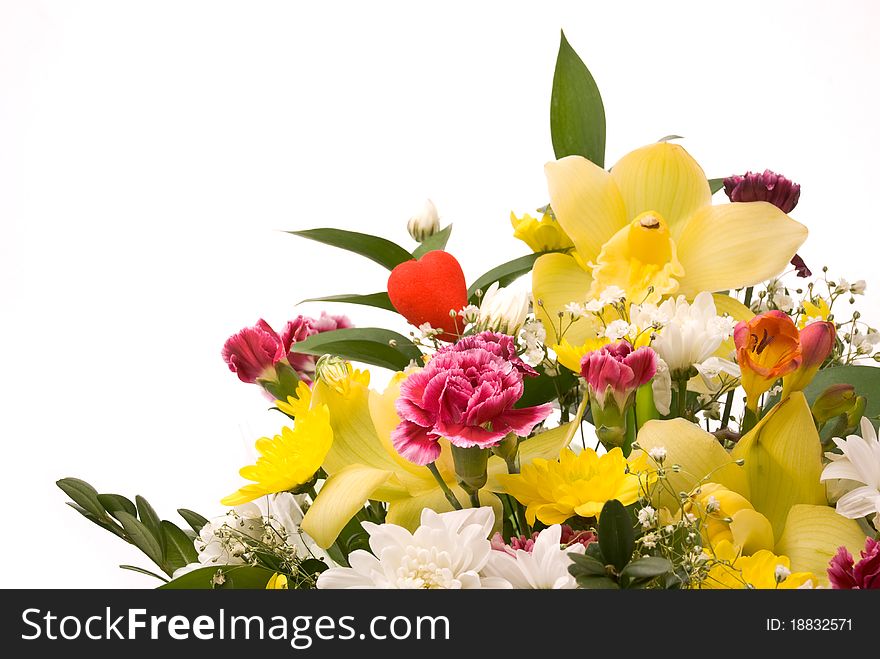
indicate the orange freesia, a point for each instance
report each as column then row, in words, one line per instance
column 767, row 348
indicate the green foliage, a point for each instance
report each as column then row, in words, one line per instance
column 503, row 274
column 239, row 577
column 381, row 251
column 434, row 242
column 379, row 300
column 616, row 535
column 371, row 345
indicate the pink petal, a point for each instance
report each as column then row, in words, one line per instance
column 524, row 420
column 643, row 363
column 415, row 444
column 468, row 436
column 817, row 341
column 252, row 351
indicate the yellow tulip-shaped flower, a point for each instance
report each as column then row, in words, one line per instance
column 649, row 228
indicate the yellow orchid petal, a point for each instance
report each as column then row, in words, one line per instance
column 699, row 455
column 783, row 461
column 541, row 236
column 408, row 512
column 813, row 534
column 662, row 177
column 558, row 280
column 751, row 531
column 341, row 497
column 735, row 245
column 586, row 203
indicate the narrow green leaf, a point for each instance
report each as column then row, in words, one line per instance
column 237, row 577
column 646, row 568
column 616, row 536
column 503, row 274
column 371, row 345
column 141, row 537
column 577, row 115
column 437, row 241
column 151, row 520
column 865, row 380
column 83, row 495
column 195, row 521
column 378, row 300
column 382, row 251
column 715, row 184
column 179, row 548
column 140, row 570
column 114, row 502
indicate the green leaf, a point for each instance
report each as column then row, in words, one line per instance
column 596, row 583
column 83, row 494
column 179, row 549
column 378, row 300
column 140, row 570
column 104, row 523
column 151, row 520
column 715, row 184
column 141, row 537
column 234, row 577
column 503, row 274
column 865, row 379
column 382, row 251
column 313, row 566
column 543, row 388
column 285, row 382
column 195, row 521
column 577, row 116
column 114, row 502
column 616, row 536
column 587, row 566
column 648, row 567
column 436, row 241
column 371, row 345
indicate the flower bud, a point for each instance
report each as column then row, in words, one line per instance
column 854, row 416
column 425, row 224
column 835, row 400
column 253, row 352
column 503, row 310
column 470, row 467
column 333, row 371
column 816, row 343
column 769, row 186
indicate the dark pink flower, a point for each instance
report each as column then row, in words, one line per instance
column 844, row 574
column 498, row 344
column 619, row 370
column 572, row 537
column 568, row 537
column 466, row 395
column 301, row 328
column 253, row 352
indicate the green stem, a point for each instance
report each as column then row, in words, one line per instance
column 475, row 499
column 450, row 497
column 682, row 397
column 750, row 420
column 728, row 408
column 524, row 527
column 748, row 298
column 310, row 490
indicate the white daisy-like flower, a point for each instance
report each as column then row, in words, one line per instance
column 611, row 295
column 858, row 287
column 575, row 309
column 617, row 329
column 693, row 333
column 448, row 550
column 647, row 516
column 544, row 567
column 503, row 309
column 782, row 301
column 859, row 464
column 661, row 387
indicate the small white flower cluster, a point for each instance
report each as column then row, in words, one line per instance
column 531, row 338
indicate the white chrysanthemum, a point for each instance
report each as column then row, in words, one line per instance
column 448, row 550
column 545, row 567
column 661, row 387
column 617, row 329
column 860, row 464
column 503, row 309
column 713, row 368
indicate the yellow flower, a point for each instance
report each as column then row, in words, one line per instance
column 277, row 582
column 729, row 517
column 541, row 236
column 553, row 491
column 813, row 310
column 296, row 405
column 762, row 570
column 289, row 459
column 649, row 228
column 570, row 356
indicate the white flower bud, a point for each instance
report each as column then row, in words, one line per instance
column 424, row 224
column 503, row 309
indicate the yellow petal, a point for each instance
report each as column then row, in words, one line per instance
column 341, row 497
column 724, row 304
column 408, row 512
column 558, row 280
column 813, row 534
column 735, row 245
column 783, row 461
column 662, row 177
column 751, row 531
column 699, row 455
column 586, row 203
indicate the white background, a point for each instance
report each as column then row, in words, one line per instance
column 151, row 153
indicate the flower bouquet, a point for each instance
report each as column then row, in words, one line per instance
column 661, row 394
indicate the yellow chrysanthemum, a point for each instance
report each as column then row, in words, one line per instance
column 818, row 310
column 289, row 459
column 762, row 570
column 553, row 491
column 541, row 236
column 277, row 582
column 340, row 375
column 299, row 404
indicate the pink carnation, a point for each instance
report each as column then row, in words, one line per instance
column 845, row 574
column 498, row 344
column 568, row 537
column 465, row 394
column 301, row 328
column 618, row 369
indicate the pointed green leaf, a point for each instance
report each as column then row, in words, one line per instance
column 141, row 537
column 577, row 115
column 104, row 523
column 150, row 519
column 371, row 345
column 140, row 570
column 431, row 243
column 382, row 251
column 616, row 535
column 503, row 274
column 83, row 494
column 715, row 184
column 586, row 565
column 596, row 583
column 237, row 577
column 646, row 568
column 378, row 300
column 865, row 379
column 195, row 521
column 179, row 548
column 114, row 502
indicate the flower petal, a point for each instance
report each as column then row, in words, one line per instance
column 586, row 203
column 407, row 512
column 662, row 177
column 859, row 502
column 557, row 280
column 735, row 245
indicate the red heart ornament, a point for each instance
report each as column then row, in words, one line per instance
column 425, row 291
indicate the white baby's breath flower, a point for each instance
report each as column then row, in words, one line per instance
column 612, row 295
column 843, row 286
column 782, row 301
column 649, row 540
column 658, row 453
column 858, row 287
column 544, row 567
column 781, row 573
column 617, row 329
column 859, row 464
column 575, row 309
column 647, row 516
column 470, row 313
column 713, row 368
column 532, row 337
column 594, row 306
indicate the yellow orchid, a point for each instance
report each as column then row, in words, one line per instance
column 362, row 463
column 762, row 570
column 649, row 228
column 544, row 235
column 778, row 479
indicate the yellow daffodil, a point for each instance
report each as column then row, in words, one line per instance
column 649, row 228
column 544, row 235
column 362, row 463
column 554, row 490
column 817, row 309
column 290, row 459
column 761, row 570
column 779, row 479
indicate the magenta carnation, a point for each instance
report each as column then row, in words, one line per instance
column 568, row 537
column 619, row 370
column 253, row 352
column 465, row 394
column 301, row 328
column 845, row 574
column 500, row 345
